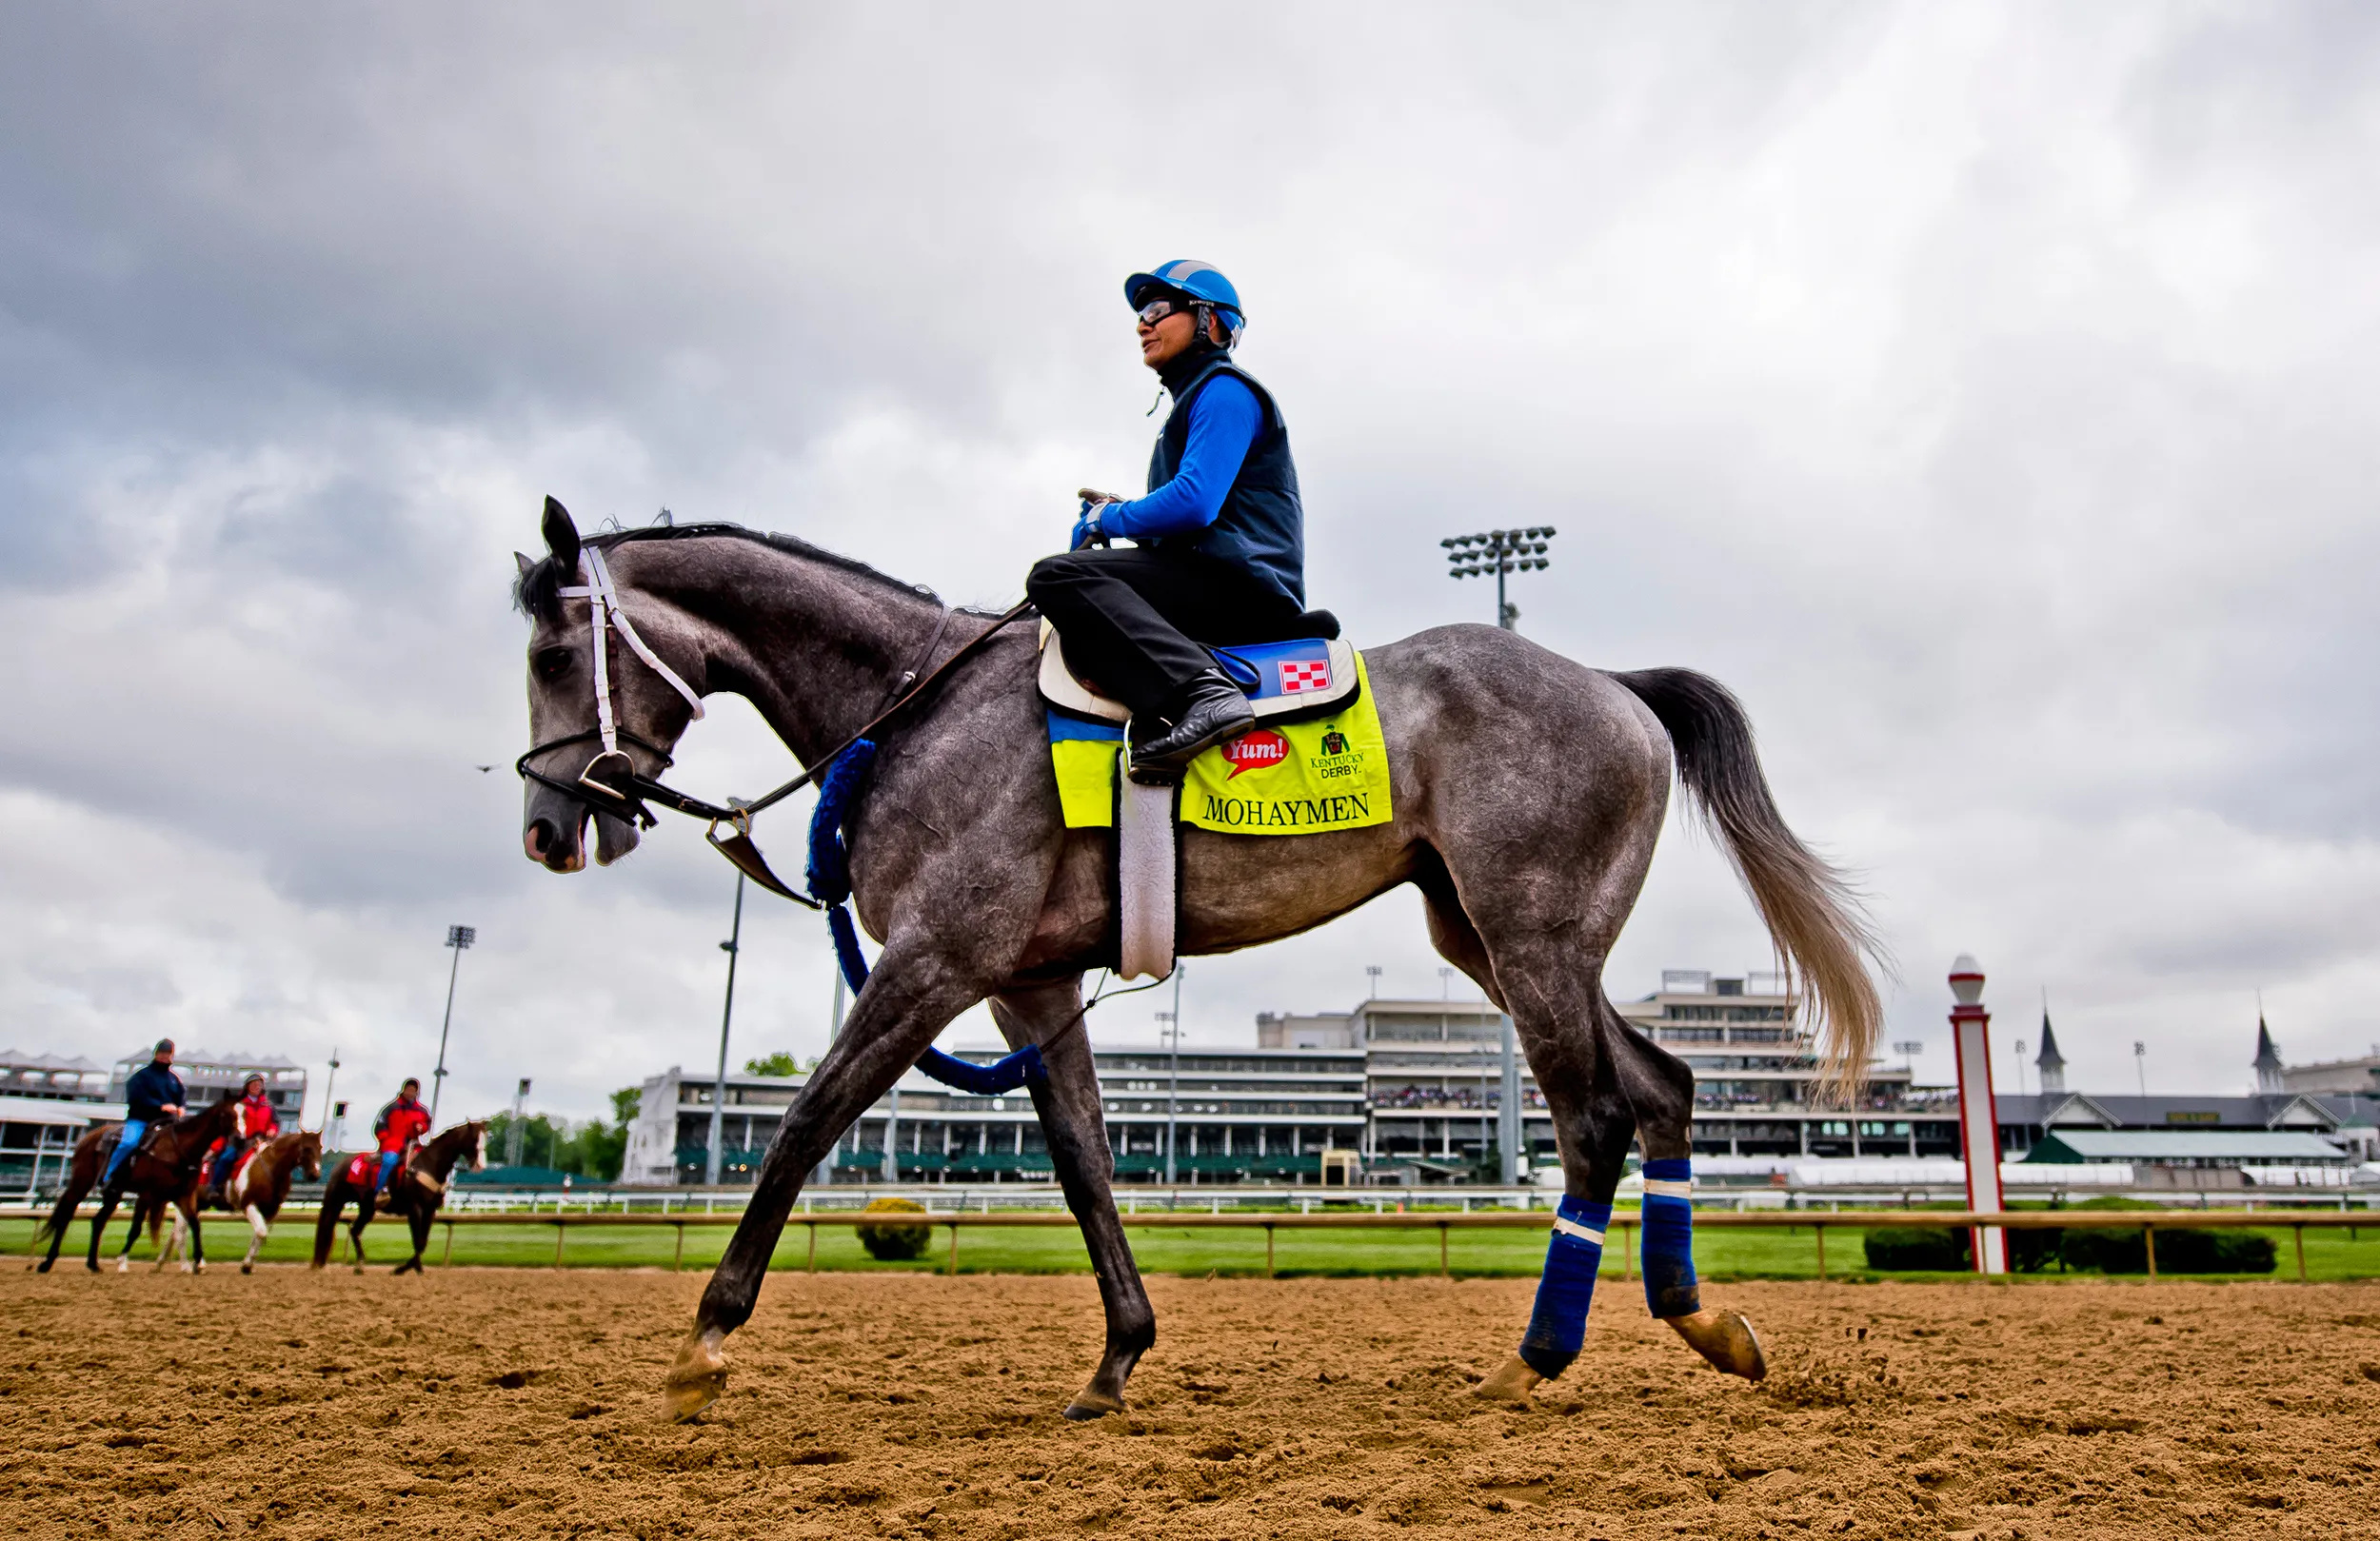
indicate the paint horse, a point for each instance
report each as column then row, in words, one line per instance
column 258, row 1187
column 416, row 1191
column 162, row 1172
column 1528, row 793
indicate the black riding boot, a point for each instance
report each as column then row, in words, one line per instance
column 1210, row 710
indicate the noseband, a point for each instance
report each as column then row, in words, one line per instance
column 611, row 781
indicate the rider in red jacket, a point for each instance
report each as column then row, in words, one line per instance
column 400, row 1125
column 252, row 1122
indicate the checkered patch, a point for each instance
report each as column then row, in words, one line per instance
column 1303, row 674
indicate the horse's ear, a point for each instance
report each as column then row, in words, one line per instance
column 562, row 537
column 524, row 562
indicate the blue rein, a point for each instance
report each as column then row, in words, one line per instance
column 829, row 881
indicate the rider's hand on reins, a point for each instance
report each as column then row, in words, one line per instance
column 1086, row 529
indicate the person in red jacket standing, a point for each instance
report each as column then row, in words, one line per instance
column 400, row 1125
column 253, row 1123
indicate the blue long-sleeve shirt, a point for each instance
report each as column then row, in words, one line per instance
column 1223, row 419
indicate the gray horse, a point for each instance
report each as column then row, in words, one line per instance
column 1529, row 792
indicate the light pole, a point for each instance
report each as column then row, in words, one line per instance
column 1498, row 552
column 732, row 946
column 458, row 937
column 1510, row 1130
column 1909, row 1053
column 330, row 1135
column 2019, row 1046
column 826, row 1172
column 1173, row 1073
column 519, row 1130
column 1372, row 977
column 2140, row 1064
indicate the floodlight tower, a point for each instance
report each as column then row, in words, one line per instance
column 1499, row 552
column 460, row 938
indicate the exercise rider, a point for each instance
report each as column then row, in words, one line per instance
column 1220, row 539
column 252, row 1122
column 152, row 1096
column 400, row 1125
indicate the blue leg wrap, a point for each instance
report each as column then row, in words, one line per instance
column 1558, row 1324
column 1669, row 1239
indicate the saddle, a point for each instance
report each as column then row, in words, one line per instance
column 1303, row 670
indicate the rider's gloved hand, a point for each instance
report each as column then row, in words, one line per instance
column 1087, row 530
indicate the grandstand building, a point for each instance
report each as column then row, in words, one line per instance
column 46, row 1102
column 1412, row 1089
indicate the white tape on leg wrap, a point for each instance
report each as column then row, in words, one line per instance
column 1572, row 1228
column 1667, row 1188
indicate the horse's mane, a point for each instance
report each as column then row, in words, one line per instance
column 536, row 592
column 190, row 1120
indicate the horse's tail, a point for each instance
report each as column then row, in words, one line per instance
column 62, row 1214
column 1811, row 908
column 326, row 1223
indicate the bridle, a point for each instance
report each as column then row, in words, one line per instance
column 611, row 783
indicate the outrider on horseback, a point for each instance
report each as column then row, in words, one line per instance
column 156, row 1156
column 406, row 1174
column 1186, row 760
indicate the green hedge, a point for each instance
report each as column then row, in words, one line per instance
column 1924, row 1250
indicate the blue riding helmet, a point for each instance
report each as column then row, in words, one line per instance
column 1200, row 283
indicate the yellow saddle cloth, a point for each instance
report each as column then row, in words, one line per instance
column 1328, row 772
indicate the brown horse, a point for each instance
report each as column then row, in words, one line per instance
column 415, row 1191
column 162, row 1172
column 257, row 1189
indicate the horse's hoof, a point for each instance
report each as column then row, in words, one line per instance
column 1089, row 1404
column 247, row 1267
column 1513, row 1383
column 1725, row 1339
column 697, row 1377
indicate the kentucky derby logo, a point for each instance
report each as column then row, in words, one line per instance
column 1260, row 750
column 1334, row 742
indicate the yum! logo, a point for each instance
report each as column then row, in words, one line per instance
column 1256, row 751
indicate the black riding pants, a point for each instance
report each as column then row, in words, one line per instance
column 1128, row 615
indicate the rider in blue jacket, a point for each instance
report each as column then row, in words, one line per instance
column 1218, row 552
column 153, row 1095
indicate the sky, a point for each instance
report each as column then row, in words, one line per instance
column 1983, row 393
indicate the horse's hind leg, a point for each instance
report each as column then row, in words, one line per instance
column 1072, row 1118
column 132, row 1233
column 1593, row 1126
column 259, row 1229
column 1661, row 1089
column 172, row 1246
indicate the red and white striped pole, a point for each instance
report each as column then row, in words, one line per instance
column 1978, row 1114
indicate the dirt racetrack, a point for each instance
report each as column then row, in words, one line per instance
column 475, row 1403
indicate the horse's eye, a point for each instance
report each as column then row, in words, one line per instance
column 551, row 662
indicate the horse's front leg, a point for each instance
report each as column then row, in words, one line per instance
column 144, row 1212
column 259, row 1229
column 910, row 996
column 419, row 1219
column 1074, row 1122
